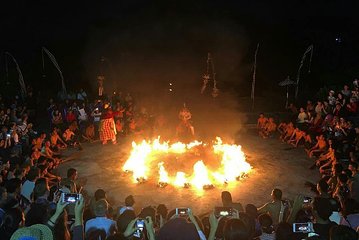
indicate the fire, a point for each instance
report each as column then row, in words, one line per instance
column 200, row 175
column 163, row 173
column 180, row 180
column 231, row 167
column 233, row 164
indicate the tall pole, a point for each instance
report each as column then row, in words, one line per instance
column 254, row 76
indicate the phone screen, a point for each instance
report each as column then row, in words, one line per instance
column 181, row 211
column 223, row 211
column 302, row 227
column 70, row 197
column 140, row 225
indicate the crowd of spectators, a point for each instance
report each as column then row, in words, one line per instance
column 32, row 194
column 329, row 133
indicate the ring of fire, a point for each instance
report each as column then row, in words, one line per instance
column 146, row 160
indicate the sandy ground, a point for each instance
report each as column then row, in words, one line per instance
column 274, row 165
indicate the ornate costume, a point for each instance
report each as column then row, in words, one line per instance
column 107, row 128
column 185, row 128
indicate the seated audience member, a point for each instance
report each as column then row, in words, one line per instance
column 129, row 202
column 354, row 181
column 252, row 212
column 124, row 219
column 101, row 221
column 284, row 231
column 178, row 229
column 13, row 219
column 301, row 119
column 37, row 231
column 321, row 213
column 70, row 181
column 56, row 141
column 13, row 188
column 267, row 227
column 29, row 185
column 234, row 229
column 228, row 202
column 350, row 214
column 99, row 194
column 343, row 233
column 276, row 208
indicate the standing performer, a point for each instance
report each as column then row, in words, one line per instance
column 107, row 128
column 185, row 130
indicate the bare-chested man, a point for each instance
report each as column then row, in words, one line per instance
column 318, row 148
column 269, row 128
column 297, row 136
column 288, row 132
column 261, row 122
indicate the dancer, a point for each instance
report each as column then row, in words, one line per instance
column 185, row 130
column 107, row 129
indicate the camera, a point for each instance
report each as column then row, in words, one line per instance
column 140, row 225
column 182, row 211
column 8, row 135
column 307, row 200
column 223, row 211
column 70, row 197
column 303, row 227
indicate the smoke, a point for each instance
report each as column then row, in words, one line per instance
column 146, row 57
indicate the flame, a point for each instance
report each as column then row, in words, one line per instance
column 163, row 174
column 200, row 176
column 178, row 147
column 193, row 144
column 136, row 163
column 232, row 165
column 180, row 180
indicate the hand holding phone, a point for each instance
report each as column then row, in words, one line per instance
column 307, row 200
column 303, row 227
column 140, row 226
column 182, row 211
column 70, row 197
column 223, row 212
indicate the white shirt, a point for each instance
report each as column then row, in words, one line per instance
column 27, row 189
column 301, row 117
column 100, row 223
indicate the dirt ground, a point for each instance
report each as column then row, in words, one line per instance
column 274, row 165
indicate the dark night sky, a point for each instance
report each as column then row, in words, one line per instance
column 153, row 42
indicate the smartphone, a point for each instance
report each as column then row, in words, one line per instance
column 307, row 200
column 8, row 135
column 140, row 225
column 223, row 211
column 303, row 227
column 182, row 211
column 70, row 197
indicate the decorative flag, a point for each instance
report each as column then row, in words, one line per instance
column 21, row 78
column 53, row 60
column 309, row 49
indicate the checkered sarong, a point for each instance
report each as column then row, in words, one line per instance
column 107, row 129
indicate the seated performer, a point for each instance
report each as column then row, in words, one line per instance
column 261, row 122
column 269, row 128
